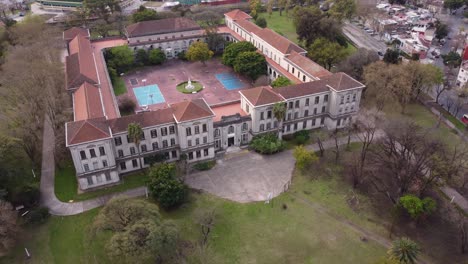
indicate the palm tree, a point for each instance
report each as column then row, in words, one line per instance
column 279, row 111
column 404, row 250
column 134, row 134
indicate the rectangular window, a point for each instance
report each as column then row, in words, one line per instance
column 338, row 123
column 198, row 154
column 197, row 130
column 142, row 136
column 155, row 145
column 342, row 99
column 92, row 152
column 205, row 140
column 306, row 113
column 164, row 143
column 189, row 143
column 323, row 109
column 288, row 127
column 244, row 138
column 315, row 111
column 295, row 126
column 83, row 155
column 102, row 152
column 354, row 97
column 204, row 128
column 313, row 122
column 118, row 141
column 134, row 163
column 348, row 97
column 188, row 131
column 205, row 152
column 104, row 163
column 190, row 156
column 289, row 116
column 129, row 140
column 307, row 102
column 268, row 126
column 269, row 114
column 123, row 166
column 171, row 130
column 120, row 153
column 297, row 104
column 143, row 148
column 290, row 105
column 322, row 120
column 197, row 141
column 296, row 115
column 174, row 154
column 86, row 167
column 317, row 99
column 154, row 133
column 108, row 177
column 90, row 180
column 164, row 131
column 172, row 141
column 247, row 108
column 132, row 150
column 261, row 116
column 217, row 143
column 304, row 125
column 325, row 98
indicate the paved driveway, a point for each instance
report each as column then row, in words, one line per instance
column 246, row 176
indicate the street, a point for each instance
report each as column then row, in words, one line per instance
column 362, row 39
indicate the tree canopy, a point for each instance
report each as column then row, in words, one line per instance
column 304, row 157
column 156, row 57
column 199, row 51
column 165, row 188
column 354, row 64
column 233, row 49
column 144, row 14
column 404, row 250
column 392, row 56
column 280, row 82
column 417, row 207
column 441, row 30
column 453, row 4
column 452, row 59
column 261, row 22
column 343, row 9
column 251, row 64
column 311, row 23
column 326, row 52
column 120, row 58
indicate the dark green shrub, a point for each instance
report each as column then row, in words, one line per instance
column 126, row 105
column 301, row 137
column 267, row 144
column 156, row 57
column 27, row 195
column 181, row 55
column 205, row 165
column 38, row 215
column 164, row 187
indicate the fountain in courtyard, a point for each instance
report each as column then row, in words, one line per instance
column 189, row 85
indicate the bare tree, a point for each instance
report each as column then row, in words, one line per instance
column 440, row 89
column 206, row 219
column 460, row 102
column 8, row 228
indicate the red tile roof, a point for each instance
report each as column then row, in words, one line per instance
column 249, row 26
column 71, row 33
column 302, row 89
column 227, row 110
column 145, row 119
column 237, row 14
column 261, row 95
column 87, row 102
column 341, row 81
column 86, row 130
column 308, row 65
column 161, row 26
column 190, row 110
column 279, row 42
column 80, row 66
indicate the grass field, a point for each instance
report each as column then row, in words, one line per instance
column 119, row 86
column 66, row 186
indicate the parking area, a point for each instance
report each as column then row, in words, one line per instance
column 174, row 72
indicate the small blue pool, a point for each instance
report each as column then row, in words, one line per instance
column 148, row 95
column 229, row 81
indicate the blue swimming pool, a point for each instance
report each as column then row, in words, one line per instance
column 229, row 81
column 148, row 95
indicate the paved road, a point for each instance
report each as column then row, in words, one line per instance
column 48, row 198
column 361, row 39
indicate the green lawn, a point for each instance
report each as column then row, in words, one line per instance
column 281, row 24
column 119, row 86
column 66, row 185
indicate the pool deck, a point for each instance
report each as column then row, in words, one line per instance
column 173, row 72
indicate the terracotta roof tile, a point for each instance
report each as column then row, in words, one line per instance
column 145, row 119
column 86, row 130
column 237, row 14
column 87, row 102
column 303, row 89
column 341, row 81
column 249, row 26
column 190, row 110
column 79, row 70
column 279, row 42
column 261, row 95
column 71, row 33
column 161, row 26
column 308, row 65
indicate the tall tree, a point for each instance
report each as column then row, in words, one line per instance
column 135, row 134
column 423, row 77
column 280, row 82
column 102, row 8
column 303, row 157
column 404, row 250
column 165, row 188
column 354, row 64
column 343, row 9
column 255, row 6
column 144, row 14
column 441, row 30
column 326, row 52
column 251, row 64
column 392, row 56
column 234, row 49
column 311, row 23
column 270, row 4
column 199, row 51
column 452, row 59
column 279, row 111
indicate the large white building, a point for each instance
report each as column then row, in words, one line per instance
column 193, row 130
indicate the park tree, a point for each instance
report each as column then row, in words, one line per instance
column 234, row 49
column 102, row 8
column 304, row 157
column 416, row 207
column 141, row 57
column 251, row 64
column 326, row 52
column 199, row 51
column 206, row 219
column 423, row 77
column 120, row 58
column 281, row 5
column 404, row 250
column 135, row 134
column 261, row 22
column 255, row 8
column 215, row 41
column 144, row 14
column 441, row 30
column 165, row 188
column 279, row 112
column 311, row 23
column 8, row 228
column 342, row 9
column 208, row 19
column 452, row 59
column 156, row 57
column 453, row 4
column 280, row 82
column 354, row 64
column 392, row 56
column 269, row 7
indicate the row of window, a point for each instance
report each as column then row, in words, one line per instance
column 98, row 178
column 197, row 141
column 153, row 134
column 343, row 121
column 135, row 165
column 348, row 98
column 295, row 126
column 165, row 37
column 92, row 153
column 268, row 126
column 297, row 103
column 245, row 127
column 198, row 154
column 144, row 148
column 346, row 109
column 196, row 129
column 95, row 165
column 306, row 113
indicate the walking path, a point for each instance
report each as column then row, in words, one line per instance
column 48, row 198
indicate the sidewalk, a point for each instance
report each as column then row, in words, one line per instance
column 48, row 198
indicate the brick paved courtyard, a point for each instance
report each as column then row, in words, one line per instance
column 173, row 72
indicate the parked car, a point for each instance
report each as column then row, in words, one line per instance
column 464, row 119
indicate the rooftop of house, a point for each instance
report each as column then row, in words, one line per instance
column 86, row 130
column 71, row 33
column 80, row 66
column 308, row 65
column 87, row 102
column 261, row 95
column 167, row 25
column 190, row 110
column 237, row 14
